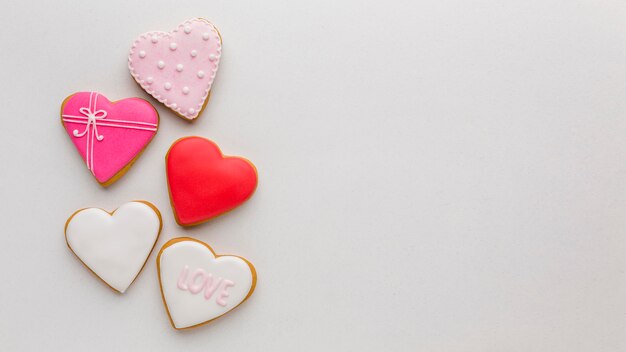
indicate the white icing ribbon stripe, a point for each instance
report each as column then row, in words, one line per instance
column 92, row 119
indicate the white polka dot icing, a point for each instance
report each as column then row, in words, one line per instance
column 154, row 39
column 173, row 46
column 193, row 64
column 149, row 80
column 185, row 90
column 142, row 54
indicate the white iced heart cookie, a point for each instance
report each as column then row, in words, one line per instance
column 114, row 246
column 199, row 286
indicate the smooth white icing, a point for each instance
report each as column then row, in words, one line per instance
column 115, row 247
column 188, row 309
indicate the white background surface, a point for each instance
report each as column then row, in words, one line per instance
column 434, row 175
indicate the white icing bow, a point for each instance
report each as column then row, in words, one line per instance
column 92, row 117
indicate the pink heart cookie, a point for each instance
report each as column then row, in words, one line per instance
column 178, row 68
column 108, row 135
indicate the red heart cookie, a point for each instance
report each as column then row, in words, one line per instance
column 203, row 183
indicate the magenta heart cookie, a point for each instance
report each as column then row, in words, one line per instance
column 108, row 135
column 178, row 68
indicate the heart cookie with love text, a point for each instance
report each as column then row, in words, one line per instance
column 203, row 183
column 178, row 68
column 199, row 286
column 114, row 246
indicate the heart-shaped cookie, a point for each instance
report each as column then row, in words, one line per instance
column 178, row 68
column 114, row 246
column 199, row 286
column 108, row 135
column 203, row 183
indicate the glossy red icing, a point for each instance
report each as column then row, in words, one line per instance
column 203, row 183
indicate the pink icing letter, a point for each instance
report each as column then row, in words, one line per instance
column 195, row 288
column 181, row 279
column 224, row 293
column 211, row 286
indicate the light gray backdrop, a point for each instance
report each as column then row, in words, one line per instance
column 434, row 175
